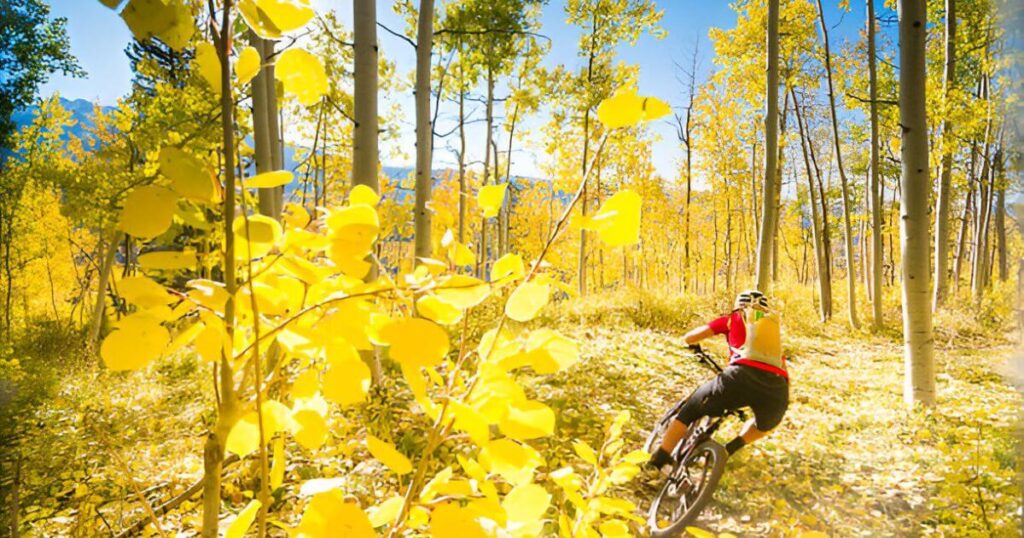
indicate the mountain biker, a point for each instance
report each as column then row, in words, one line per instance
column 754, row 378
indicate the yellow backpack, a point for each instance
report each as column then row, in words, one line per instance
column 764, row 337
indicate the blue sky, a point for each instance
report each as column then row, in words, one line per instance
column 99, row 37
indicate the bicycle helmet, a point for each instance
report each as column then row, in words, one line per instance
column 752, row 298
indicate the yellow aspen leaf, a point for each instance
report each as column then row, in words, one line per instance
column 699, row 533
column 617, row 223
column 610, row 505
column 527, row 300
column 488, row 508
column 458, row 488
column 255, row 236
column 276, row 417
column 346, row 382
column 490, row 198
column 615, row 528
column 625, row 108
column 550, row 352
column 463, row 291
column 496, row 351
column 184, row 337
column 148, row 211
column 470, row 421
column 269, row 180
column 244, row 437
column 416, row 341
column 243, row 520
column 271, row 19
column 449, row 520
column 363, row 195
column 436, row 309
column 208, row 64
column 170, row 20
column 143, row 292
column 387, row 511
column 279, row 463
column 432, row 487
column 584, row 451
column 515, row 462
column 208, row 293
column 168, row 260
column 526, row 503
column 460, row 255
column 418, row 517
column 302, row 75
column 528, row 420
column 731, row 535
column 134, row 345
column 210, row 343
column 248, row 65
column 328, row 515
column 386, row 454
column 310, row 429
column 305, row 386
column 189, row 176
column 507, row 267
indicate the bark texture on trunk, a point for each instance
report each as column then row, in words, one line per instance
column 945, row 176
column 851, row 272
column 874, row 180
column 915, row 186
column 771, row 153
column 424, row 129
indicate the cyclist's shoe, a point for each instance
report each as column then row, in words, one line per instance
column 660, row 462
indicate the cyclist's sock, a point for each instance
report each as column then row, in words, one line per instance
column 732, row 446
column 660, row 459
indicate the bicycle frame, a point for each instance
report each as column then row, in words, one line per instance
column 697, row 432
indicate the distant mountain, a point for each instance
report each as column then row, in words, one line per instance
column 81, row 112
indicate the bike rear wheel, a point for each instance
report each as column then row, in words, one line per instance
column 687, row 491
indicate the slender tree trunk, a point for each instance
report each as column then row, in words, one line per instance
column 1001, row 219
column 984, row 206
column 851, row 271
column 463, row 188
column 917, row 316
column 764, row 244
column 424, row 129
column 227, row 412
column 961, row 241
column 273, row 120
column 261, row 127
column 778, row 187
column 507, row 206
column 96, row 320
column 365, row 152
column 946, row 166
column 482, row 262
column 824, row 285
column 875, row 180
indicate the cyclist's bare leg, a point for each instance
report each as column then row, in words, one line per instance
column 747, row 435
column 675, row 433
column 750, row 433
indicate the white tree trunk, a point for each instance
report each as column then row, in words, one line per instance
column 945, row 176
column 771, row 151
column 851, row 267
column 424, row 129
column 876, row 201
column 915, row 183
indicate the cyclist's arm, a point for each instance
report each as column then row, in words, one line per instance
column 698, row 334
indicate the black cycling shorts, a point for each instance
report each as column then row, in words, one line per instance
column 767, row 394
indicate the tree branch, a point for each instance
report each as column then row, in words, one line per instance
column 399, row 36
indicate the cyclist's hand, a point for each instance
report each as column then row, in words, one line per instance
column 694, row 348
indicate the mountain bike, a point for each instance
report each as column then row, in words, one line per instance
column 699, row 464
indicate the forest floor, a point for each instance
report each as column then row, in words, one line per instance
column 850, row 459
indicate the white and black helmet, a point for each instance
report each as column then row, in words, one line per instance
column 751, row 298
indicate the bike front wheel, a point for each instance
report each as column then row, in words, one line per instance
column 687, row 490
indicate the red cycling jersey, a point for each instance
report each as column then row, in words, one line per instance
column 731, row 325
